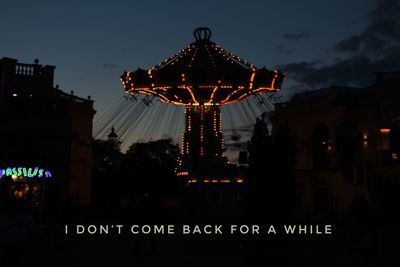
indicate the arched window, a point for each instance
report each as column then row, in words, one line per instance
column 320, row 147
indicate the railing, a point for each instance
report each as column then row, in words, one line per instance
column 26, row 69
column 387, row 76
column 74, row 98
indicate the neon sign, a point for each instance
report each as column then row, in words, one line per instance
column 23, row 172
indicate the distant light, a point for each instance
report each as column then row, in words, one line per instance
column 384, row 130
column 365, row 139
column 14, row 95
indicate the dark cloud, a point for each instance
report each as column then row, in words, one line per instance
column 299, row 70
column 382, row 34
column 350, row 44
column 375, row 49
column 352, row 71
column 296, row 36
column 280, row 48
column 357, row 70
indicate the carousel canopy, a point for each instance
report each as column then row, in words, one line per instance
column 202, row 73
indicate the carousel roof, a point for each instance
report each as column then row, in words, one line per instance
column 203, row 72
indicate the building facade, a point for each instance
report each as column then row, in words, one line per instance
column 348, row 140
column 43, row 128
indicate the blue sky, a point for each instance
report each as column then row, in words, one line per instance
column 92, row 42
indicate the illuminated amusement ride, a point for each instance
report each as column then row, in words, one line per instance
column 202, row 77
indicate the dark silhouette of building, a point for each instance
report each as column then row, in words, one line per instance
column 113, row 137
column 44, row 127
column 348, row 140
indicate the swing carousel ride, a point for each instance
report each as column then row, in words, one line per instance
column 201, row 79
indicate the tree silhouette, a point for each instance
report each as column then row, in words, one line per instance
column 270, row 182
column 107, row 159
column 150, row 167
column 269, row 190
column 105, row 154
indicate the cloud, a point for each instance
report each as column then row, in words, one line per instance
column 353, row 71
column 377, row 48
column 357, row 70
column 382, row 34
column 280, row 48
column 296, row 36
column 352, row 43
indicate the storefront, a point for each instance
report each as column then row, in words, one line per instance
column 29, row 185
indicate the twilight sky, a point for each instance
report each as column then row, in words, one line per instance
column 316, row 43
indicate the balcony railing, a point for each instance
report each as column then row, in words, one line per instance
column 383, row 77
column 27, row 69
